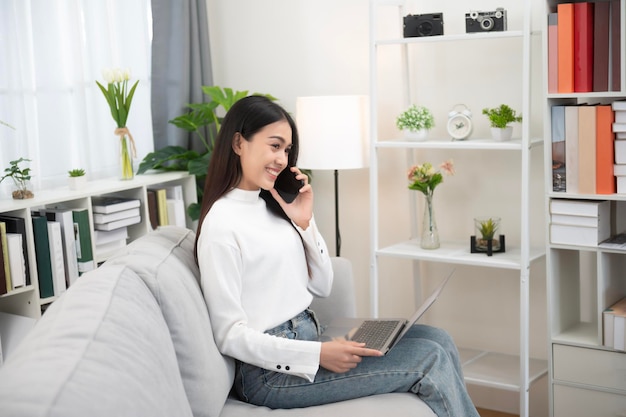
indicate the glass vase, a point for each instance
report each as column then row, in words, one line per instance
column 126, row 158
column 430, row 234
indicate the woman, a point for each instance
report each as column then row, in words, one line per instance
column 262, row 260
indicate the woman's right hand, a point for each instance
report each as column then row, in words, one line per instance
column 342, row 355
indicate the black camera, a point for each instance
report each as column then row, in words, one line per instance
column 486, row 21
column 428, row 24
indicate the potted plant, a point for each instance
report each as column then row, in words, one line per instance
column 77, row 178
column 415, row 121
column 20, row 177
column 486, row 229
column 499, row 119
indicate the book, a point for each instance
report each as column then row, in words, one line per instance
column 615, row 46
column 42, row 255
column 614, row 324
column 571, row 149
column 161, row 198
column 615, row 242
column 152, row 209
column 573, row 220
column 6, row 284
column 620, row 151
column 18, row 225
column 553, row 57
column 619, row 105
column 601, row 16
column 176, row 212
column 118, row 223
column 579, row 235
column 66, row 220
column 587, row 149
column 565, row 47
column 619, row 116
column 105, row 250
column 619, row 170
column 559, row 178
column 583, row 47
column 112, row 204
column 619, row 127
column 621, row 185
column 102, row 236
column 16, row 260
column 55, row 242
column 605, row 150
column 99, row 218
column 588, row 208
column 82, row 231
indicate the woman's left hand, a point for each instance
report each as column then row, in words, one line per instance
column 300, row 210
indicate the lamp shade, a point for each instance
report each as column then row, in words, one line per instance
column 333, row 131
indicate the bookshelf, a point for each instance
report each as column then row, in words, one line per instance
column 586, row 377
column 498, row 370
column 26, row 301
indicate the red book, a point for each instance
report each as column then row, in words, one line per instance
column 605, row 156
column 583, row 47
column 616, row 75
column 553, row 54
column 565, row 28
column 601, row 19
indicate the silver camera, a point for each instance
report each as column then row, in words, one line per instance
column 478, row 21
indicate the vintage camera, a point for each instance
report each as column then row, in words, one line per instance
column 485, row 21
column 417, row 25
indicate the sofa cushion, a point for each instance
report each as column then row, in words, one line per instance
column 102, row 349
column 164, row 260
column 392, row 404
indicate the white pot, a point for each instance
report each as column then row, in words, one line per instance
column 502, row 134
column 77, row 183
column 418, row 135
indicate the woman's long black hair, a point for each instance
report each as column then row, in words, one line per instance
column 246, row 117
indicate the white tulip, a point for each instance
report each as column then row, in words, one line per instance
column 118, row 77
column 108, row 75
column 126, row 74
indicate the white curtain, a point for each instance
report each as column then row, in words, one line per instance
column 51, row 54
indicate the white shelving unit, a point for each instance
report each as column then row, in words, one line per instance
column 25, row 301
column 488, row 369
column 586, row 378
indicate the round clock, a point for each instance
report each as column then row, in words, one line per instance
column 460, row 122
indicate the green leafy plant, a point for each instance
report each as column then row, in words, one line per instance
column 198, row 117
column 415, row 118
column 78, row 172
column 20, row 177
column 488, row 228
column 501, row 116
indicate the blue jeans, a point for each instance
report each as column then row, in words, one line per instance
column 425, row 362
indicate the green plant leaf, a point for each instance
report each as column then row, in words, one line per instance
column 170, row 158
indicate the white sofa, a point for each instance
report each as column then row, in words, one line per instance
column 133, row 338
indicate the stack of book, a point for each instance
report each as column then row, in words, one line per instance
column 584, row 47
column 614, row 325
column 578, row 222
column 166, row 206
column 619, row 128
column 111, row 218
column 584, row 149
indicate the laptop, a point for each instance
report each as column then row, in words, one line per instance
column 381, row 334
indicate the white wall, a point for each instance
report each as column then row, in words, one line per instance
column 291, row 48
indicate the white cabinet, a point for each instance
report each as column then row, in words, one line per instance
column 25, row 301
column 424, row 56
column 586, row 377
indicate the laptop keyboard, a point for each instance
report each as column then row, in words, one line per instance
column 374, row 333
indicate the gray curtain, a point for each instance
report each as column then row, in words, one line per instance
column 181, row 65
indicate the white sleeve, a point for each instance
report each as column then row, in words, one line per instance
column 318, row 260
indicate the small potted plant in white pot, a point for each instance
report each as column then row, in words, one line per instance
column 20, row 177
column 77, row 178
column 499, row 119
column 415, row 121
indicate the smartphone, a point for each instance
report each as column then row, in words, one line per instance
column 287, row 185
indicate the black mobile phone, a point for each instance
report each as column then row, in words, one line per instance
column 287, row 185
